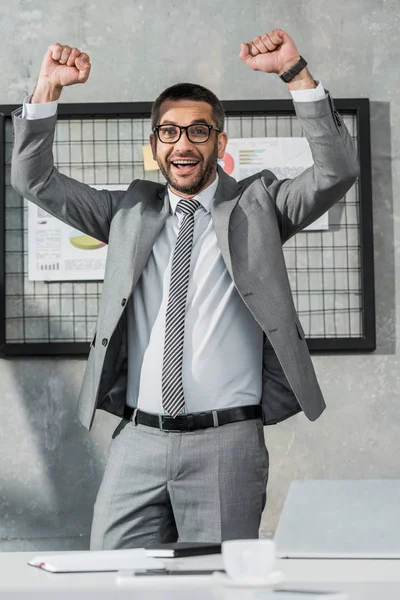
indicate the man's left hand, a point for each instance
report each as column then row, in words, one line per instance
column 273, row 52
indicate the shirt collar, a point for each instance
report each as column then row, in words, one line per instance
column 205, row 197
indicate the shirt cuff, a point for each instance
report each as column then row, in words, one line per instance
column 311, row 95
column 38, row 111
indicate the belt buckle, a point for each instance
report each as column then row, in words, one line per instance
column 161, row 426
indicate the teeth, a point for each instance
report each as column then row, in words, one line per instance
column 184, row 162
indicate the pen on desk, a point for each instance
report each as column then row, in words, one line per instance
column 164, row 572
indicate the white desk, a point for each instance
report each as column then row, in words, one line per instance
column 362, row 579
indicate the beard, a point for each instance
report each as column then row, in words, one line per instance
column 194, row 186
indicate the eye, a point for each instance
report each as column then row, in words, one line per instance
column 199, row 130
column 169, row 131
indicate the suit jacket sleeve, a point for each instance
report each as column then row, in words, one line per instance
column 302, row 200
column 35, row 177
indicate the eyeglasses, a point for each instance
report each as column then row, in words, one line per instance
column 198, row 133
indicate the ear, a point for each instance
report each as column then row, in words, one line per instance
column 222, row 142
column 153, row 144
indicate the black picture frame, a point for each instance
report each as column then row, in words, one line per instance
column 356, row 107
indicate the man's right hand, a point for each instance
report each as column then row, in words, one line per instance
column 61, row 66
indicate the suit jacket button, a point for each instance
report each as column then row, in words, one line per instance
column 104, row 341
column 123, row 301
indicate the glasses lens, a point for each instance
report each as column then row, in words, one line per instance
column 198, row 133
column 168, row 133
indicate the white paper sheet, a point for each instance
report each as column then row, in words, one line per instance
column 286, row 157
column 58, row 252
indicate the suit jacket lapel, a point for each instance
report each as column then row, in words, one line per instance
column 152, row 220
column 225, row 200
column 134, row 230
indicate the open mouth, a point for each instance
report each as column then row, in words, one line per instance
column 184, row 166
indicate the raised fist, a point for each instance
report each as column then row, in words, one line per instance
column 61, row 66
column 273, row 52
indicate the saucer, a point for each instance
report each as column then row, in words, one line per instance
column 275, row 578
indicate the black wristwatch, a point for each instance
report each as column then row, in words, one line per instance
column 295, row 70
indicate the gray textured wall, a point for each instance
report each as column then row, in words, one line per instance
column 50, row 466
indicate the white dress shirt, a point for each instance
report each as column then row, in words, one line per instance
column 222, row 352
column 223, row 344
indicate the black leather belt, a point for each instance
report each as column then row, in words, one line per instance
column 193, row 421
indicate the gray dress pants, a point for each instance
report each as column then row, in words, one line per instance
column 201, row 486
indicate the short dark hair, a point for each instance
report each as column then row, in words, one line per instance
column 189, row 91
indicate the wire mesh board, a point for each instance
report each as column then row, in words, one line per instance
column 330, row 271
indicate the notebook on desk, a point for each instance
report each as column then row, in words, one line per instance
column 95, row 561
column 351, row 518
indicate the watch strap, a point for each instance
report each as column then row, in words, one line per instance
column 293, row 71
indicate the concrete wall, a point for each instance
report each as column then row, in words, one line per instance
column 50, row 466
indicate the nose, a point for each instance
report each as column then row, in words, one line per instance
column 183, row 143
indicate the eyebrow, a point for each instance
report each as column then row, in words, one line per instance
column 194, row 122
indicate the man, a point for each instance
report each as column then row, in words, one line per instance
column 198, row 343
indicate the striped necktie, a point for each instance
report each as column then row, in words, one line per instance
column 173, row 399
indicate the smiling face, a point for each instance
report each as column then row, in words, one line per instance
column 187, row 167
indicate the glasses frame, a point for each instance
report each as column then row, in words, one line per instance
column 184, row 128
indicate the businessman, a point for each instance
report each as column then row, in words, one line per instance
column 198, row 344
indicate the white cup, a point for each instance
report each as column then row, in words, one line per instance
column 250, row 561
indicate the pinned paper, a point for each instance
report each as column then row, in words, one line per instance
column 286, row 157
column 148, row 160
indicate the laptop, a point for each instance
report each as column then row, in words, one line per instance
column 343, row 518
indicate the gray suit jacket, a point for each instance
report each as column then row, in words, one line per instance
column 252, row 219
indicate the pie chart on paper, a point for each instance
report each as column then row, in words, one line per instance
column 227, row 163
column 85, row 242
